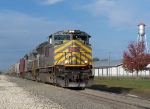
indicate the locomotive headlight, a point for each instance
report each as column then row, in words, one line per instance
column 71, row 31
column 74, row 31
column 86, row 61
column 66, row 61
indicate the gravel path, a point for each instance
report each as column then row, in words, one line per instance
column 18, row 93
column 13, row 96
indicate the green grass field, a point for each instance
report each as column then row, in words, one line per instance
column 139, row 87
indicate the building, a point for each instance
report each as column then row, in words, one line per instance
column 113, row 68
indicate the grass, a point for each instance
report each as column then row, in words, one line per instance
column 139, row 87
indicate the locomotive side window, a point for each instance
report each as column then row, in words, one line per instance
column 61, row 37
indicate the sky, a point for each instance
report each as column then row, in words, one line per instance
column 112, row 24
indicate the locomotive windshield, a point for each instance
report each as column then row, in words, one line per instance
column 81, row 38
column 61, row 37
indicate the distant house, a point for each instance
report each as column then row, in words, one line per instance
column 113, row 68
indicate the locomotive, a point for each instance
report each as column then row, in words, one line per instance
column 64, row 60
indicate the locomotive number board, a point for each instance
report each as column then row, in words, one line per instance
column 74, row 49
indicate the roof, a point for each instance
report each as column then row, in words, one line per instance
column 141, row 24
column 148, row 66
column 105, row 64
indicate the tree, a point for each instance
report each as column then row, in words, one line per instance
column 95, row 59
column 136, row 59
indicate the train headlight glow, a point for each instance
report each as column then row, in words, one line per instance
column 71, row 31
column 86, row 61
column 74, row 31
column 66, row 61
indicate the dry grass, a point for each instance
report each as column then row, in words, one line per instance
column 139, row 87
column 141, row 93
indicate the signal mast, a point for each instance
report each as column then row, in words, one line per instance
column 142, row 34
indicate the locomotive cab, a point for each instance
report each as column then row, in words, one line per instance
column 66, row 35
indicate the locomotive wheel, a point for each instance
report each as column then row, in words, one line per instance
column 54, row 79
column 42, row 81
column 51, row 78
column 37, row 78
column 82, row 88
column 66, row 81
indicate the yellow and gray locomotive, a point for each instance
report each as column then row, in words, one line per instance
column 65, row 59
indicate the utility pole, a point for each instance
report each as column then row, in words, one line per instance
column 109, row 65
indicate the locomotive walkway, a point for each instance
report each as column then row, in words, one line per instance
column 18, row 93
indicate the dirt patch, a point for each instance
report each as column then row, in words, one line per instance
column 141, row 93
column 110, row 89
column 121, row 90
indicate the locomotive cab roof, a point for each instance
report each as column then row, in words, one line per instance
column 63, row 32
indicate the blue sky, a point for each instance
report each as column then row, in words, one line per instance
column 111, row 23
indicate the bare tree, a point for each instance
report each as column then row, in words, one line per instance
column 136, row 59
column 95, row 59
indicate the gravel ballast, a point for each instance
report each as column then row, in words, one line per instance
column 18, row 93
column 15, row 97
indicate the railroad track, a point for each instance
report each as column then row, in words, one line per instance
column 117, row 100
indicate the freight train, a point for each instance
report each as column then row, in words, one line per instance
column 64, row 60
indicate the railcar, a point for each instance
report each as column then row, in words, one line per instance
column 65, row 60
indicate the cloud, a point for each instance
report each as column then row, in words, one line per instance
column 17, row 23
column 115, row 12
column 21, row 29
column 20, row 33
column 50, row 2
